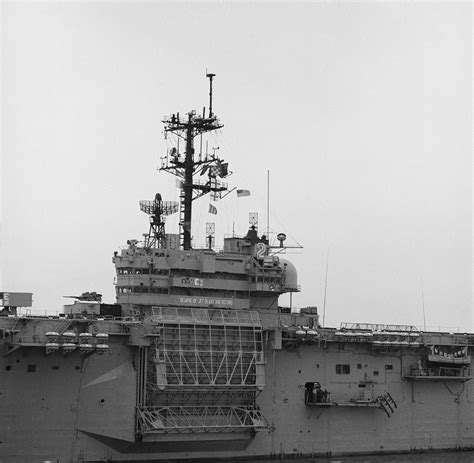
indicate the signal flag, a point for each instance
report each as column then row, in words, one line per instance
column 212, row 209
column 242, row 193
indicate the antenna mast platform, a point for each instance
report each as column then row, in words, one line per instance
column 185, row 166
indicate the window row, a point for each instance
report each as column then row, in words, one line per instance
column 142, row 271
column 177, row 291
column 345, row 369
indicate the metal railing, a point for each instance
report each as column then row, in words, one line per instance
column 184, row 315
column 440, row 372
column 192, row 419
column 378, row 327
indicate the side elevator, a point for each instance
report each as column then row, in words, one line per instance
column 199, row 379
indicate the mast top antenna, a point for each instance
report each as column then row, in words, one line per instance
column 210, row 76
column 185, row 166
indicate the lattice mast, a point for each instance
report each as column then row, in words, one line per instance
column 185, row 166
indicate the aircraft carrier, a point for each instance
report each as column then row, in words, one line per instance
column 197, row 359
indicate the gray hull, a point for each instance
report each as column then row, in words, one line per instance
column 76, row 408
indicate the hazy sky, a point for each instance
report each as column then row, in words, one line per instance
column 360, row 111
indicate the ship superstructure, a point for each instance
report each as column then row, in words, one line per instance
column 197, row 359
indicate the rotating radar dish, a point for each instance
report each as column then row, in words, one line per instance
column 157, row 210
column 156, row 205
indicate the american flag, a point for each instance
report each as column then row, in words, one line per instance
column 242, row 193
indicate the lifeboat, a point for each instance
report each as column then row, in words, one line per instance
column 459, row 357
column 101, row 348
column 51, row 347
column 449, row 359
column 69, row 336
column 69, row 347
column 300, row 333
column 85, row 336
column 86, row 348
column 52, row 335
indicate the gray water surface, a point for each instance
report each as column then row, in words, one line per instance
column 449, row 457
column 443, row 457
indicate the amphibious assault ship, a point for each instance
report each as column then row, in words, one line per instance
column 197, row 359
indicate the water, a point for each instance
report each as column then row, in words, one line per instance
column 449, row 457
column 444, row 457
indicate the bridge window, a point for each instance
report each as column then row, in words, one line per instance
column 343, row 369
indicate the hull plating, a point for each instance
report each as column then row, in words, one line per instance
column 76, row 408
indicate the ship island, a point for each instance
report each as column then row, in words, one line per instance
column 196, row 359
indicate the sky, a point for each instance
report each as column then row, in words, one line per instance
column 359, row 113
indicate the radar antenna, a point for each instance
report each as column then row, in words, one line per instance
column 210, row 77
column 210, row 232
column 253, row 219
column 157, row 210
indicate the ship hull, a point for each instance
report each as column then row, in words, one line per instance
column 77, row 408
